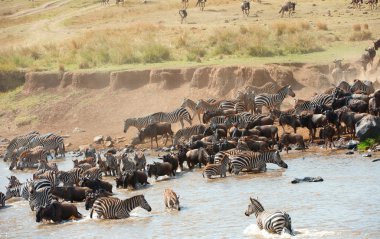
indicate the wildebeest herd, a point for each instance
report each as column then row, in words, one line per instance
column 233, row 136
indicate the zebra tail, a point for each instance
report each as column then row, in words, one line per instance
column 92, row 210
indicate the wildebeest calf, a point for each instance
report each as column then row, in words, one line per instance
column 155, row 129
column 77, row 194
column 57, row 212
column 171, row 199
column 290, row 138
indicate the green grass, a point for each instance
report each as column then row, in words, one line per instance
column 367, row 144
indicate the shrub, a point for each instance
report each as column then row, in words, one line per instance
column 361, row 36
column 155, row 53
column 357, row 27
column 366, row 144
column 322, row 26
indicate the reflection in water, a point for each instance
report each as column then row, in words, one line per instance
column 345, row 205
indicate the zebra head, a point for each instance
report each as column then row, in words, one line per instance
column 254, row 208
column 143, row 203
column 291, row 92
column 90, row 199
column 277, row 159
column 13, row 163
column 127, row 123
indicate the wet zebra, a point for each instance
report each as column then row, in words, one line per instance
column 36, row 141
column 115, row 208
column 29, row 158
column 171, row 199
column 273, row 222
column 273, row 101
column 267, row 88
column 44, row 165
column 187, row 132
column 363, row 86
column 13, row 181
column 54, row 142
column 111, row 163
column 20, row 190
column 217, row 169
column 127, row 165
column 48, row 175
column 70, row 177
column 19, row 142
column 257, row 162
column 174, row 116
column 93, row 173
column 2, row 199
column 39, row 195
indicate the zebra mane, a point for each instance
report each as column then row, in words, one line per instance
column 258, row 206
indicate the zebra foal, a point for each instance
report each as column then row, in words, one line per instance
column 273, row 222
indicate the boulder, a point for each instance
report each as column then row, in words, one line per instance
column 108, row 144
column 368, row 127
column 78, row 130
column 108, row 138
column 98, row 139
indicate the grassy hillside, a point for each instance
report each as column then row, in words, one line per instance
column 82, row 34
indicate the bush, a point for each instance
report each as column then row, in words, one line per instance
column 361, row 36
column 155, row 53
column 322, row 26
column 357, row 27
column 367, row 144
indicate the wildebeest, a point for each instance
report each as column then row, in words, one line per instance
column 77, row 194
column 269, row 131
column 160, row 169
column 58, row 212
column 367, row 57
column 96, row 184
column 155, row 129
column 245, row 7
column 312, row 122
column 182, row 14
column 201, row 4
column 91, row 197
column 172, row 159
column 171, row 199
column 288, row 7
column 197, row 156
column 327, row 133
column 140, row 160
column 132, row 179
column 290, row 138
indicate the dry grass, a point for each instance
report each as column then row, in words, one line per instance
column 361, row 35
column 357, row 27
column 322, row 26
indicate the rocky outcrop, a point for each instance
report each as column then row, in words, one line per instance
column 9, row 80
column 368, row 127
column 41, row 80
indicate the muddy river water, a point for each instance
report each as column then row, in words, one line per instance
column 345, row 205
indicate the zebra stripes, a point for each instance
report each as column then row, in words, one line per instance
column 70, row 177
column 204, row 106
column 115, row 208
column 171, row 199
column 187, row 132
column 48, row 175
column 93, row 173
column 17, row 191
column 29, row 158
column 126, row 165
column 217, row 169
column 39, row 196
column 174, row 116
column 2, row 199
column 19, row 142
column 273, row 101
column 54, row 142
column 44, row 165
column 192, row 106
column 273, row 222
column 267, row 88
column 256, row 162
column 138, row 123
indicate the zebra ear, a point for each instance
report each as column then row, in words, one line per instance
column 251, row 199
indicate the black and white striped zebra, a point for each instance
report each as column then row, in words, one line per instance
column 362, row 86
column 2, row 199
column 174, row 116
column 187, row 132
column 127, row 165
column 344, row 85
column 93, row 173
column 13, row 181
column 19, row 142
column 217, row 169
column 267, row 88
column 257, row 162
column 70, row 177
column 36, row 141
column 192, row 106
column 112, row 165
column 54, row 142
column 138, row 123
column 40, row 194
column 273, row 222
column 29, row 158
column 20, row 190
column 47, row 174
column 273, row 101
column 115, row 208
column 319, row 100
column 45, row 165
column 204, row 106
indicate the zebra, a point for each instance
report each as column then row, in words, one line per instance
column 174, row 116
column 111, row 163
column 54, row 142
column 363, row 86
column 245, row 6
column 171, row 199
column 140, row 160
column 235, row 105
column 187, row 132
column 344, row 85
column 20, row 190
column 93, row 173
column 192, row 106
column 267, row 88
column 273, row 101
column 217, row 169
column 29, row 158
column 44, row 165
column 256, row 162
column 39, row 196
column 2, row 199
column 115, row 208
column 183, row 14
column 70, row 177
column 311, row 105
column 50, row 175
column 204, row 106
column 13, row 181
column 18, row 142
column 36, row 141
column 273, row 222
column 138, row 123
column 288, row 7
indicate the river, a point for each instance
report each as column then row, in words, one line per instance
column 345, row 205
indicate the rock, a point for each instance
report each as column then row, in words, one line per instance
column 78, row 130
column 68, row 145
column 367, row 155
column 307, row 179
column 108, row 144
column 352, row 144
column 108, row 138
column 98, row 139
column 349, row 152
column 375, row 160
column 368, row 127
